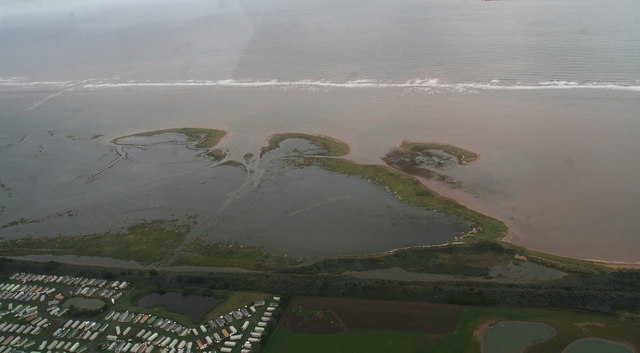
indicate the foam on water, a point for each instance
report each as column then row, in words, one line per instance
column 425, row 84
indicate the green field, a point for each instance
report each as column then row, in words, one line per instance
column 353, row 341
column 204, row 138
column 333, row 147
column 570, row 326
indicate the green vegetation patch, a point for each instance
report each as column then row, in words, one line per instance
column 352, row 341
column 560, row 263
column 231, row 163
column 473, row 260
column 204, row 138
column 407, row 188
column 201, row 252
column 217, row 154
column 463, row 156
column 333, row 146
column 145, row 243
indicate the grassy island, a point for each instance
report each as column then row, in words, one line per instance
column 463, row 156
column 423, row 160
column 333, row 147
column 203, row 138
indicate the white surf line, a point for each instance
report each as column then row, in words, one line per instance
column 411, row 84
column 425, row 84
column 68, row 86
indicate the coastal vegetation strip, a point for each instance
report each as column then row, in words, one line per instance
column 462, row 155
column 465, row 260
column 332, row 146
column 200, row 252
column 146, row 243
column 462, row 260
column 202, row 137
column 151, row 242
column 561, row 263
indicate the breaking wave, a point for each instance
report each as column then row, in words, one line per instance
column 424, row 84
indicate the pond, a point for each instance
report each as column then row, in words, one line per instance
column 597, row 345
column 514, row 336
column 195, row 307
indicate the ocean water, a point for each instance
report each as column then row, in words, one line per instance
column 547, row 92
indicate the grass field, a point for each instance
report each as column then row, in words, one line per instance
column 199, row 252
column 333, row 147
column 353, row 341
column 204, row 138
column 570, row 326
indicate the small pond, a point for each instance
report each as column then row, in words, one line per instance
column 597, row 345
column 514, row 336
column 195, row 307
